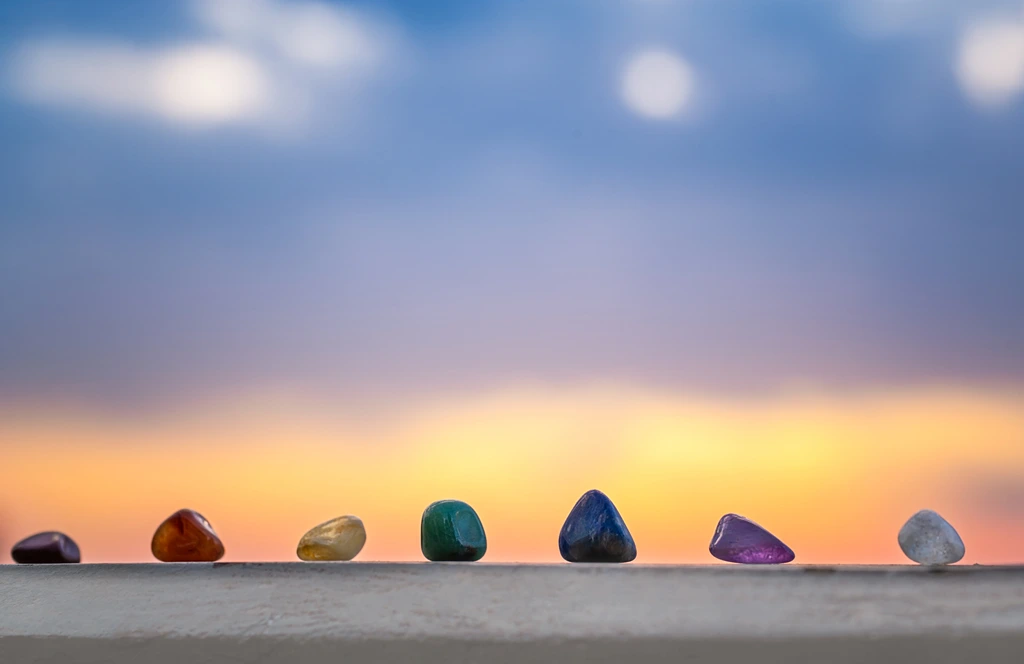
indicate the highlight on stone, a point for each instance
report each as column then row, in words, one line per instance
column 740, row 540
column 186, row 537
column 49, row 548
column 594, row 532
column 928, row 539
column 450, row 530
column 341, row 538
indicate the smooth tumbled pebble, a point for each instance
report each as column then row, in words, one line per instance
column 594, row 532
column 450, row 530
column 737, row 539
column 49, row 548
column 928, row 539
column 338, row 539
column 186, row 537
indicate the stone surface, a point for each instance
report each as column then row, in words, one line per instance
column 451, row 530
column 186, row 537
column 594, row 532
column 369, row 613
column 928, row 539
column 49, row 548
column 740, row 540
column 338, row 539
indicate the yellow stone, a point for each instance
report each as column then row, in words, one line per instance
column 338, row 539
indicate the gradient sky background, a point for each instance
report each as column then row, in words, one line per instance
column 281, row 261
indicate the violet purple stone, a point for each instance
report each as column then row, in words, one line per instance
column 50, row 548
column 740, row 540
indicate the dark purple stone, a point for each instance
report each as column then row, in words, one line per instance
column 740, row 540
column 46, row 549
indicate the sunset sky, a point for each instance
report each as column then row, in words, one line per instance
column 283, row 261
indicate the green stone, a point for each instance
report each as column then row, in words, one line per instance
column 451, row 530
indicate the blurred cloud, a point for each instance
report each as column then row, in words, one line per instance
column 310, row 34
column 191, row 84
column 256, row 69
column 892, row 18
column 657, row 84
column 990, row 61
column 882, row 18
column 984, row 40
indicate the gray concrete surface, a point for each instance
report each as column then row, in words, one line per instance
column 379, row 612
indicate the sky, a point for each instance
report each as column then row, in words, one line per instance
column 281, row 261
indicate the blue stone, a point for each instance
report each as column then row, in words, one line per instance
column 594, row 532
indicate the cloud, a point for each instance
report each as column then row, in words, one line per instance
column 893, row 18
column 309, row 34
column 657, row 84
column 191, row 84
column 263, row 65
column 883, row 18
column 990, row 62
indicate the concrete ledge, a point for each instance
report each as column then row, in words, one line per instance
column 368, row 612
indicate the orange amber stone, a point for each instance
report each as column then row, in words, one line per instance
column 186, row 537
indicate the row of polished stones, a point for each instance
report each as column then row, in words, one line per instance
column 451, row 530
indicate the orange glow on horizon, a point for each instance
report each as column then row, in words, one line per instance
column 833, row 476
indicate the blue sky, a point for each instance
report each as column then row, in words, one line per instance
column 403, row 198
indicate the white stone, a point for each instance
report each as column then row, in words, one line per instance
column 928, row 539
